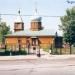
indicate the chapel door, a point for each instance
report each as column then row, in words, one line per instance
column 35, row 44
column 35, row 41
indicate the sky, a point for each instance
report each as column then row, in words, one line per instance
column 27, row 7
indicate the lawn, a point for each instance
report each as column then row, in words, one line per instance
column 60, row 50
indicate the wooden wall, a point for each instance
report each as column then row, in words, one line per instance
column 44, row 41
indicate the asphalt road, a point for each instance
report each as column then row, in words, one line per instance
column 38, row 67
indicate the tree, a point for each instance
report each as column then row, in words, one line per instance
column 68, row 27
column 4, row 30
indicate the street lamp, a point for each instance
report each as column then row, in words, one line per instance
column 38, row 52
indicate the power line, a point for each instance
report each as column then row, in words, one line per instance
column 29, row 15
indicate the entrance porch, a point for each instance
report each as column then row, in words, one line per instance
column 33, row 46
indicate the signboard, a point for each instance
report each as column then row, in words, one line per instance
column 58, row 41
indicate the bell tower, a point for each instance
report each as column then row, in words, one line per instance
column 18, row 24
column 36, row 23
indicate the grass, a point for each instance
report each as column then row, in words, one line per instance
column 60, row 50
column 46, row 49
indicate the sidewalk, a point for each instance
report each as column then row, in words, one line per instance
column 18, row 57
column 23, row 57
column 34, row 57
column 57, row 56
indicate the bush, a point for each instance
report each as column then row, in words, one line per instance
column 7, row 53
column 23, row 52
column 14, row 52
column 18, row 52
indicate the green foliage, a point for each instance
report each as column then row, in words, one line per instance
column 4, row 29
column 8, row 53
column 68, row 26
column 23, row 52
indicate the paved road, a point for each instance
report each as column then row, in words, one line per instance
column 38, row 67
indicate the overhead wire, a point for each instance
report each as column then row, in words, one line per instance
column 29, row 15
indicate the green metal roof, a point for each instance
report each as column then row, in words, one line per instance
column 26, row 32
column 37, row 19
